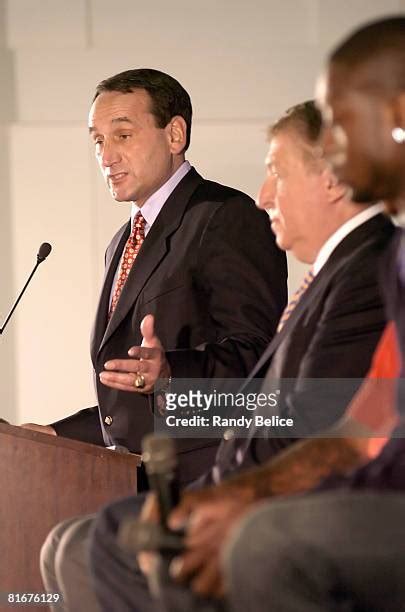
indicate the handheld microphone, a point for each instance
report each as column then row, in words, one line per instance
column 42, row 254
column 160, row 460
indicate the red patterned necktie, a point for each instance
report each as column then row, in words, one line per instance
column 131, row 251
column 307, row 280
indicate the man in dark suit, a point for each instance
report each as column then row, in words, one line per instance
column 196, row 255
column 330, row 333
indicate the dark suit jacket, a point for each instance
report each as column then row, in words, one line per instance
column 332, row 333
column 210, row 272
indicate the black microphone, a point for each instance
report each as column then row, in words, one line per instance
column 42, row 254
column 160, row 460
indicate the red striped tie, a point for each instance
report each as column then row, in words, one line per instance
column 307, row 280
column 131, row 251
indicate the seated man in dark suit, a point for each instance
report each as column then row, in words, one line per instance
column 332, row 331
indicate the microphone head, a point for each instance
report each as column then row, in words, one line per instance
column 43, row 251
column 158, row 454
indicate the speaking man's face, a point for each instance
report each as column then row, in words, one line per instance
column 135, row 156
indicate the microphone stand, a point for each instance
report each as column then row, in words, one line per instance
column 10, row 314
column 43, row 253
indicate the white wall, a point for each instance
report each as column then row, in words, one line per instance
column 243, row 64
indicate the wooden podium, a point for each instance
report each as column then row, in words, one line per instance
column 43, row 480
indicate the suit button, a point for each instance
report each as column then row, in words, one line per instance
column 108, row 420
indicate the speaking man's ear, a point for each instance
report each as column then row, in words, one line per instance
column 176, row 131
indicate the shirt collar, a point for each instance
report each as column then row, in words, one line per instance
column 155, row 202
column 343, row 231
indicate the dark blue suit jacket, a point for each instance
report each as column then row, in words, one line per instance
column 331, row 334
column 211, row 274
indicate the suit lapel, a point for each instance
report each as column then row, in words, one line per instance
column 155, row 247
column 353, row 243
column 288, row 325
column 113, row 257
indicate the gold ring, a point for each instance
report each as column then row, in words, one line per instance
column 139, row 381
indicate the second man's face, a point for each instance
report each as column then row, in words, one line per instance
column 134, row 154
column 293, row 195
